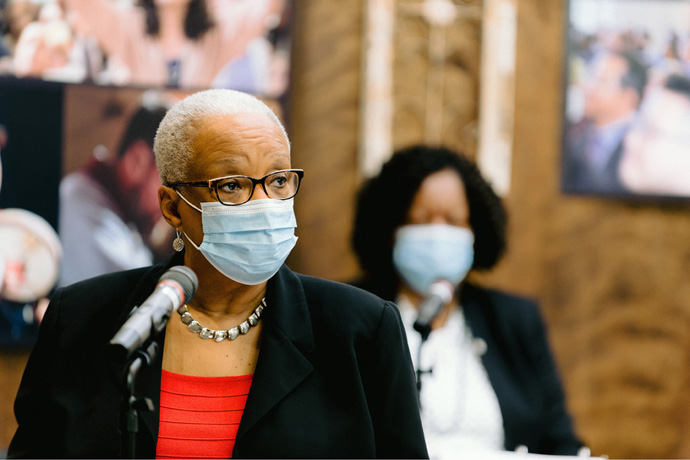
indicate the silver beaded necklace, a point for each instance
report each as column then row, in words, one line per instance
column 219, row 336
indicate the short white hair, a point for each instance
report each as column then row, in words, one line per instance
column 175, row 135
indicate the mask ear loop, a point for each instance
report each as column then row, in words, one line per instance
column 187, row 201
column 179, row 241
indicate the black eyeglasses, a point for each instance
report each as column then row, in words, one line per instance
column 235, row 190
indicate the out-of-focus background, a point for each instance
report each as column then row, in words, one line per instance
column 497, row 79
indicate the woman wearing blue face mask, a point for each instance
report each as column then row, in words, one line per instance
column 486, row 378
column 261, row 362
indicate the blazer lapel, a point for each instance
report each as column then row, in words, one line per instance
column 286, row 345
column 502, row 362
column 475, row 316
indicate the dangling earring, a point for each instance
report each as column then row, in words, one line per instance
column 178, row 243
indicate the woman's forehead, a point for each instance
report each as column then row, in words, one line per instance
column 229, row 144
column 248, row 128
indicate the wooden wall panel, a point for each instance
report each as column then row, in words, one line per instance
column 324, row 103
column 436, row 77
column 11, row 368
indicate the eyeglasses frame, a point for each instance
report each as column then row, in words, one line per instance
column 213, row 184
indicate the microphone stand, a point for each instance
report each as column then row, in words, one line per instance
column 440, row 293
column 424, row 333
column 132, row 404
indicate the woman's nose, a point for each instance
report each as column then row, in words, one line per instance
column 259, row 193
column 439, row 219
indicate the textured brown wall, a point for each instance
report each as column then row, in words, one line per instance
column 11, row 368
column 323, row 127
column 436, row 78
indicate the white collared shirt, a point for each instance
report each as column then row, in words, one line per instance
column 459, row 408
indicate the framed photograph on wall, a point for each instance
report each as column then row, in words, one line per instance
column 198, row 44
column 627, row 99
column 83, row 85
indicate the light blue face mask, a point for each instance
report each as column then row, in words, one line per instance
column 424, row 254
column 247, row 243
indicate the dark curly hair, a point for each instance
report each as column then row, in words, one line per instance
column 384, row 201
column 197, row 21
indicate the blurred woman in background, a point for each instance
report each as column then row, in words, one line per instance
column 486, row 378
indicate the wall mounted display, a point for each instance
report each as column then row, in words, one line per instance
column 83, row 86
column 239, row 44
column 627, row 99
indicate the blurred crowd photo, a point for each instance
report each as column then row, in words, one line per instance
column 627, row 99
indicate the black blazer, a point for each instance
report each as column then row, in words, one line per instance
column 520, row 367
column 334, row 376
column 522, row 371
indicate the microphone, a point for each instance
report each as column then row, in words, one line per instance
column 174, row 288
column 440, row 293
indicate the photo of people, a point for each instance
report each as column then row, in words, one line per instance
column 238, row 44
column 109, row 70
column 627, row 99
column 108, row 216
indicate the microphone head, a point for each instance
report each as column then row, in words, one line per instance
column 443, row 289
column 185, row 277
column 438, row 295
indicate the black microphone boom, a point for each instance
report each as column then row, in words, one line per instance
column 174, row 288
column 440, row 293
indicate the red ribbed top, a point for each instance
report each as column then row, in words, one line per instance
column 199, row 416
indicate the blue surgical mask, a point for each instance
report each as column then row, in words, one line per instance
column 247, row 243
column 424, row 254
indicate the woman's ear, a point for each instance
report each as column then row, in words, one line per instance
column 169, row 200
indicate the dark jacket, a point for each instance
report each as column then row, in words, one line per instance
column 578, row 176
column 520, row 367
column 522, row 371
column 334, row 376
